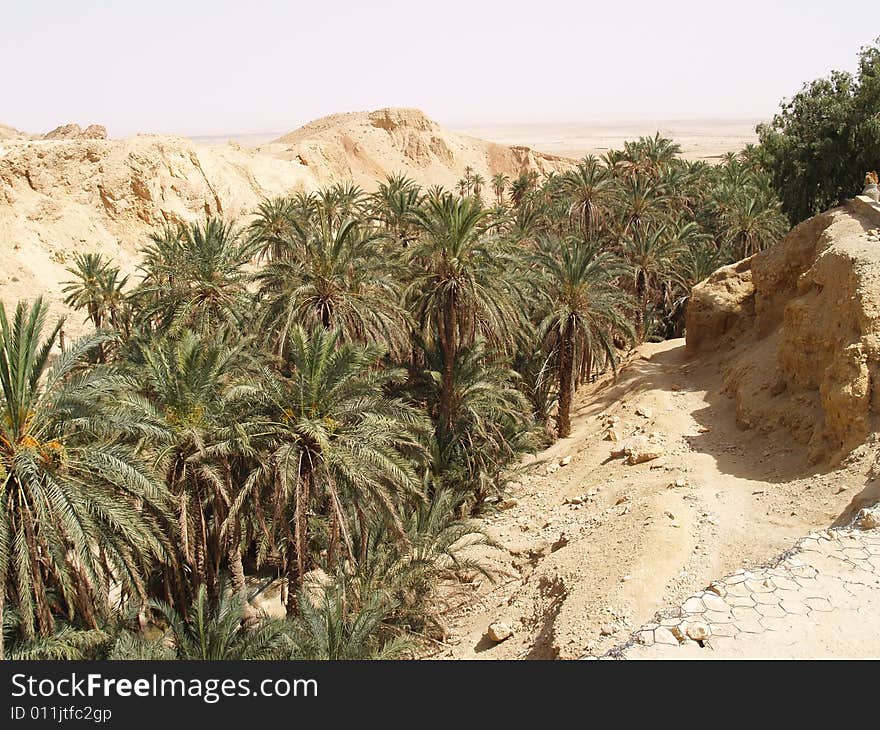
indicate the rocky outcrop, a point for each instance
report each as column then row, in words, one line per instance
column 797, row 329
column 364, row 146
column 63, row 196
column 10, row 133
column 74, row 131
column 719, row 303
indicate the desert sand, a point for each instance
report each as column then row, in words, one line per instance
column 704, row 139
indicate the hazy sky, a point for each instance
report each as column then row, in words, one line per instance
column 233, row 66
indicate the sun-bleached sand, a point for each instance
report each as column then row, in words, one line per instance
column 702, row 139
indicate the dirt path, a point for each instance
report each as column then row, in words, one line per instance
column 595, row 548
column 820, row 600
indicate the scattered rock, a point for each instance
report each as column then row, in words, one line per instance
column 565, row 461
column 663, row 635
column 868, row 518
column 74, row 131
column 698, row 631
column 606, row 630
column 499, row 631
column 644, row 412
column 638, row 450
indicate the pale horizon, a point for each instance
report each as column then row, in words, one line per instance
column 214, row 69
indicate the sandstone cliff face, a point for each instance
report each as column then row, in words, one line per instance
column 74, row 190
column 62, row 196
column 797, row 329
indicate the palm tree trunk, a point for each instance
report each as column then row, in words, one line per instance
column 2, row 605
column 299, row 565
column 334, row 539
column 447, row 342
column 293, row 578
column 566, row 365
column 365, row 535
column 233, row 557
column 642, row 296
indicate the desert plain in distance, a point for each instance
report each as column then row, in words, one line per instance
column 700, row 139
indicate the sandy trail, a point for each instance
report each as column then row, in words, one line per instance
column 578, row 579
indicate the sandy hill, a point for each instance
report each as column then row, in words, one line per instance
column 75, row 190
column 363, row 146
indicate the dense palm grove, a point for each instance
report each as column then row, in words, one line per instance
column 326, row 395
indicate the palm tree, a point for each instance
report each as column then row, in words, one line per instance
column 469, row 179
column 750, row 223
column 477, row 183
column 438, row 545
column 222, row 630
column 500, row 181
column 586, row 309
column 334, row 442
column 491, row 417
column 77, row 508
column 341, row 202
column 335, row 626
column 522, row 187
column 649, row 155
column 192, row 387
column 195, row 278
column 66, row 642
column 393, row 204
column 651, row 252
column 271, row 226
column 587, row 187
column 333, row 276
column 463, row 284
column 694, row 265
column 640, row 200
column 98, row 288
column 88, row 289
